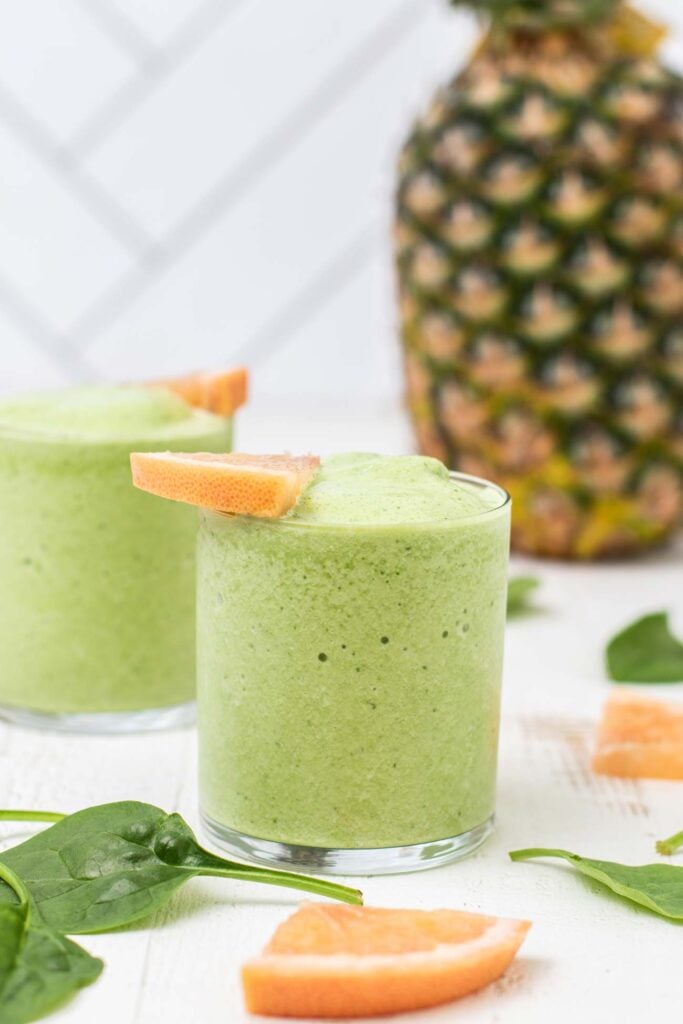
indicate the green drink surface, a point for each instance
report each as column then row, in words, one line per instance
column 365, row 490
column 104, row 414
column 349, row 658
column 97, row 608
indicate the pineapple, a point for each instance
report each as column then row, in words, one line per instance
column 539, row 240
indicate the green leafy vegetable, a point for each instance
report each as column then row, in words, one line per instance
column 109, row 865
column 520, row 589
column 659, row 887
column 39, row 968
column 92, row 871
column 646, row 652
column 667, row 847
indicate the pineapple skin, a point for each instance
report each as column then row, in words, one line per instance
column 539, row 241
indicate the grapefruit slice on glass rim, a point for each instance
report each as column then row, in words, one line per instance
column 336, row 961
column 265, row 486
column 217, row 391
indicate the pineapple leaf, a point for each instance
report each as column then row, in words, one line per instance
column 542, row 13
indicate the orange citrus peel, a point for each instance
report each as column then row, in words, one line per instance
column 218, row 391
column 265, row 486
column 640, row 737
column 337, row 961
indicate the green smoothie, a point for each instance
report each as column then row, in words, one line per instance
column 349, row 663
column 97, row 608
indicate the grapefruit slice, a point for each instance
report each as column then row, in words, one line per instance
column 217, row 391
column 266, row 486
column 640, row 737
column 340, row 961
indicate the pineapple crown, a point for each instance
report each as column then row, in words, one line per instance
column 542, row 14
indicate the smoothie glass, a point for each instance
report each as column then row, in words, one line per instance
column 97, row 610
column 349, row 686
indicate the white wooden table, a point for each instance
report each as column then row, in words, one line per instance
column 589, row 958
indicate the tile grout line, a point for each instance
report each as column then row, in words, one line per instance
column 30, row 321
column 335, row 275
column 296, row 126
column 259, row 161
column 161, row 63
column 112, row 22
column 99, row 203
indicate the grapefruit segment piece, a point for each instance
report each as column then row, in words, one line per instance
column 217, row 391
column 640, row 737
column 266, row 486
column 339, row 961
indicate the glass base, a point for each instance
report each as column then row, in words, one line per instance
column 316, row 860
column 107, row 722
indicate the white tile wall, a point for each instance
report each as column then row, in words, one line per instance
column 58, row 62
column 188, row 182
column 159, row 20
column 53, row 248
column 25, row 363
column 227, row 100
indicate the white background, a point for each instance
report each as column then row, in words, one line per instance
column 185, row 183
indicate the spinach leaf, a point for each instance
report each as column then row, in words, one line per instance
column 109, row 865
column 659, row 887
column 13, row 927
column 520, row 589
column 39, row 968
column 667, row 847
column 646, row 652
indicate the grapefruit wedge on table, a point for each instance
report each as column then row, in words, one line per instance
column 217, row 391
column 265, row 486
column 640, row 738
column 340, row 961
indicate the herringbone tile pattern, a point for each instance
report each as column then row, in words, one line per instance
column 188, row 182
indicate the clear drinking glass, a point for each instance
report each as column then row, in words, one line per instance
column 349, row 687
column 97, row 579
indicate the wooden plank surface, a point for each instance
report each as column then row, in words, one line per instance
column 588, row 958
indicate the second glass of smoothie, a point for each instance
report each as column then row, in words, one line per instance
column 349, row 669
column 97, row 607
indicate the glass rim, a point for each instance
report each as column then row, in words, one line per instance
column 479, row 482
